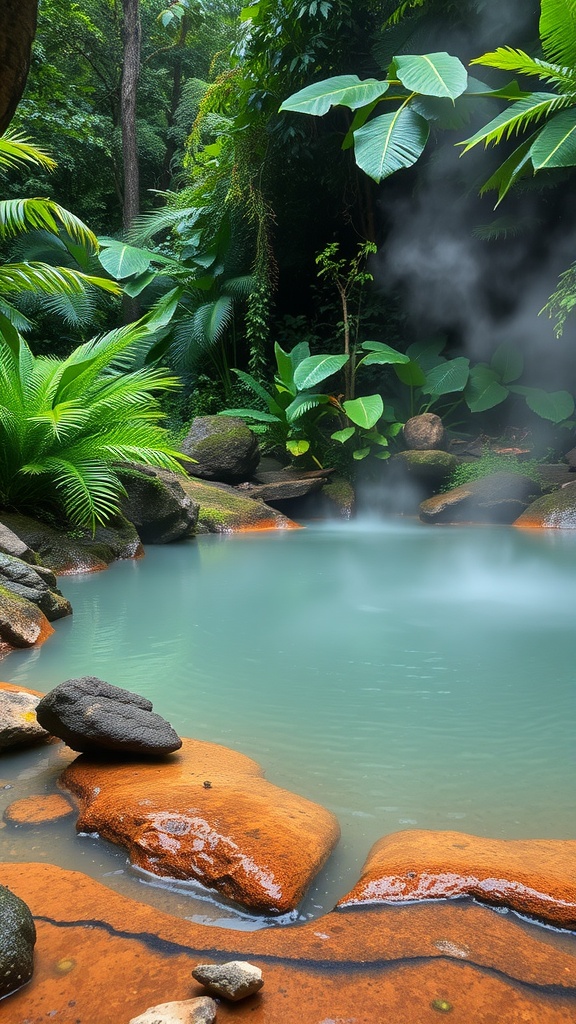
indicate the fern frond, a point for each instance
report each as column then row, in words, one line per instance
column 507, row 58
column 16, row 150
column 517, row 117
column 558, row 30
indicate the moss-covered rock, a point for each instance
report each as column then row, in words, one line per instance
column 75, row 551
column 498, row 498
column 35, row 584
column 555, row 511
column 224, row 510
column 338, row 498
column 22, row 624
column 222, row 447
column 157, row 505
column 17, row 938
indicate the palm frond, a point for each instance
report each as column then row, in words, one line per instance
column 507, row 58
column 16, row 150
column 17, row 215
column 16, row 278
column 239, row 287
column 558, row 30
column 516, row 118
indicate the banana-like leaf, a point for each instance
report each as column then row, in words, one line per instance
column 381, row 354
column 364, row 412
column 507, row 362
column 448, row 377
column 410, row 373
column 342, row 90
column 555, row 144
column 558, row 31
column 251, row 414
column 550, row 405
column 484, row 390
column 431, row 74
column 314, row 369
column 390, row 142
column 343, row 435
column 523, row 114
column 122, row 260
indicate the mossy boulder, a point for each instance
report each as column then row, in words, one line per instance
column 17, row 938
column 497, row 498
column 222, row 448
column 76, row 550
column 157, row 505
column 22, row 624
column 224, row 510
column 35, row 584
column 555, row 511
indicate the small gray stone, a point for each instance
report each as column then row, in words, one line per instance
column 17, row 938
column 185, row 1011
column 91, row 715
column 18, row 724
column 234, row 980
column 424, row 432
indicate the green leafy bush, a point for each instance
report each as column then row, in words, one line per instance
column 489, row 463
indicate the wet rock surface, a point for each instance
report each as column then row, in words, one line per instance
column 223, row 448
column 208, row 814
column 101, row 957
column 18, row 724
column 35, row 584
column 224, row 509
column 535, row 876
column 77, row 551
column 157, row 505
column 91, row 715
column 555, row 511
column 38, row 810
column 234, row 980
column 186, row 1011
column 498, row 498
column 17, row 938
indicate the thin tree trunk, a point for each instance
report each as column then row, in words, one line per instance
column 130, row 72
column 17, row 31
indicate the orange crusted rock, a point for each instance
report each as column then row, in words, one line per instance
column 532, row 876
column 14, row 688
column 37, row 810
column 206, row 813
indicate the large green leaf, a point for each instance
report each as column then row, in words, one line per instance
column 121, row 260
column 448, row 377
column 390, row 142
column 550, row 405
column 432, row 74
column 555, row 145
column 311, row 371
column 342, row 90
column 484, row 390
column 410, row 373
column 251, row 414
column 364, row 412
column 303, row 404
column 508, row 362
column 382, row 354
column 558, row 31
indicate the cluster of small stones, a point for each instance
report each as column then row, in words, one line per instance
column 233, row 981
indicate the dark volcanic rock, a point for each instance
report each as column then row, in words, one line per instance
column 157, row 505
column 17, row 938
column 91, row 715
column 498, row 498
column 223, row 448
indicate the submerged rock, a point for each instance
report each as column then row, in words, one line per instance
column 497, row 498
column 221, row 448
column 18, row 724
column 224, row 509
column 91, row 715
column 424, row 432
column 157, row 504
column 209, row 815
column 201, row 1010
column 533, row 876
column 234, row 980
column 555, row 511
column 38, row 810
column 17, row 938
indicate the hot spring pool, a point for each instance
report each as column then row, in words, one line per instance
column 402, row 676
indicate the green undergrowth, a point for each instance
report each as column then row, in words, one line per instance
column 489, row 463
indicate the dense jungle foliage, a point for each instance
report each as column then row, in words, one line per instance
column 309, row 189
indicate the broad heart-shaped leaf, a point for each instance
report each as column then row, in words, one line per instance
column 364, row 412
column 432, row 74
column 390, row 142
column 555, row 144
column 385, row 353
column 507, row 362
column 550, row 405
column 342, row 91
column 297, row 448
column 343, row 435
column 411, row 374
column 483, row 390
column 121, row 260
column 312, row 370
column 448, row 377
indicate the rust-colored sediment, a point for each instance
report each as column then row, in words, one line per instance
column 533, row 876
column 269, row 524
column 207, row 813
column 37, row 810
column 102, row 959
column 14, row 688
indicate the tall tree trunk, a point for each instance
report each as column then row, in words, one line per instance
column 130, row 73
column 17, row 31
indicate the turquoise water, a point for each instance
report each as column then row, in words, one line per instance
column 403, row 676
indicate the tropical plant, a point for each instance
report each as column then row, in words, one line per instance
column 492, row 462
column 20, row 215
column 66, row 424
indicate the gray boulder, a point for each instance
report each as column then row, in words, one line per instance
column 11, row 544
column 423, row 432
column 75, row 551
column 18, row 724
column 35, row 584
column 17, row 938
column 92, row 716
column 234, row 980
column 223, row 448
column 157, row 505
column 498, row 498
column 555, row 511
